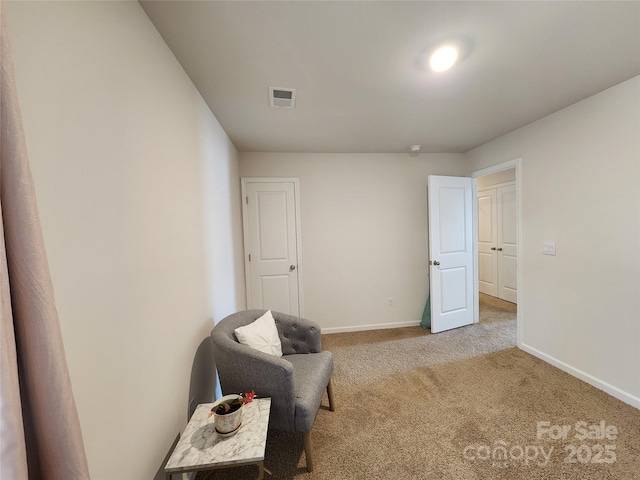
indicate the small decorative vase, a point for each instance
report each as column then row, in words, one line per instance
column 228, row 423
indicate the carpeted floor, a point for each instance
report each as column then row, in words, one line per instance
column 463, row 404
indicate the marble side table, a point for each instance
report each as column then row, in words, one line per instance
column 202, row 448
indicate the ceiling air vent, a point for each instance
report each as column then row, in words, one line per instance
column 282, row 97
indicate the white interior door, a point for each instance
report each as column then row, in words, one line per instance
column 450, row 252
column 507, row 243
column 487, row 243
column 271, row 234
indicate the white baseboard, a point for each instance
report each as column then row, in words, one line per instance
column 377, row 326
column 585, row 377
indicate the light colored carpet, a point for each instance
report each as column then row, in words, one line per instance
column 412, row 405
column 374, row 354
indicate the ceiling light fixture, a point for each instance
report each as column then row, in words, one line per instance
column 443, row 58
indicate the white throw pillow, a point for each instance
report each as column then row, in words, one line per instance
column 261, row 335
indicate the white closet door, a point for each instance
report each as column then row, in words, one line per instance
column 271, row 245
column 507, row 243
column 487, row 243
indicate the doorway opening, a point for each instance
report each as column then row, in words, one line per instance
column 494, row 310
column 497, row 233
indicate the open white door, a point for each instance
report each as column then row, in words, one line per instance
column 450, row 252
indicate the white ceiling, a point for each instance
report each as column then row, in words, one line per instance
column 356, row 67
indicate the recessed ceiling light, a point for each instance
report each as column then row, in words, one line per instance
column 443, row 58
column 415, row 148
column 444, row 53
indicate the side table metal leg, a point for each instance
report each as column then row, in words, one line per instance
column 262, row 470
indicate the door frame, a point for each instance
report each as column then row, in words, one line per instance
column 245, row 232
column 517, row 164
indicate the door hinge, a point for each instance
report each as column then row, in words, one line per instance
column 246, row 200
column 249, row 257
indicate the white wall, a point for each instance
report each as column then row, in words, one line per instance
column 581, row 189
column 138, row 190
column 364, row 232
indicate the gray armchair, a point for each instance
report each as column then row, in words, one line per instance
column 295, row 382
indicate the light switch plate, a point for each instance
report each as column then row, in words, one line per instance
column 548, row 248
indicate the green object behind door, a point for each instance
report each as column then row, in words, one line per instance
column 426, row 315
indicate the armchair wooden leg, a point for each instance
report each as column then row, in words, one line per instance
column 306, row 436
column 332, row 400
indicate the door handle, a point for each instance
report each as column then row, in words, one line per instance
column 500, row 249
column 435, row 262
column 292, row 268
column 493, row 248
